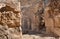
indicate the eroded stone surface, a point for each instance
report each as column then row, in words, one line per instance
column 10, row 16
column 32, row 11
column 52, row 17
column 9, row 33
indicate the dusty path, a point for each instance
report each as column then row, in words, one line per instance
column 26, row 36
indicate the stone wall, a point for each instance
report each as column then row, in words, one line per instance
column 32, row 14
column 10, row 19
column 52, row 17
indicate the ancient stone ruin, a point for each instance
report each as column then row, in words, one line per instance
column 10, row 19
column 41, row 15
column 52, row 17
column 19, row 17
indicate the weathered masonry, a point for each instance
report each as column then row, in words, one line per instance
column 52, row 17
column 32, row 18
column 10, row 19
column 39, row 14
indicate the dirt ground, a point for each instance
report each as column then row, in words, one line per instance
column 27, row 36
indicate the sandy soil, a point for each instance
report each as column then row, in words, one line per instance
column 27, row 36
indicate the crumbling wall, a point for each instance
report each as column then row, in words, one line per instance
column 32, row 14
column 10, row 17
column 52, row 17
